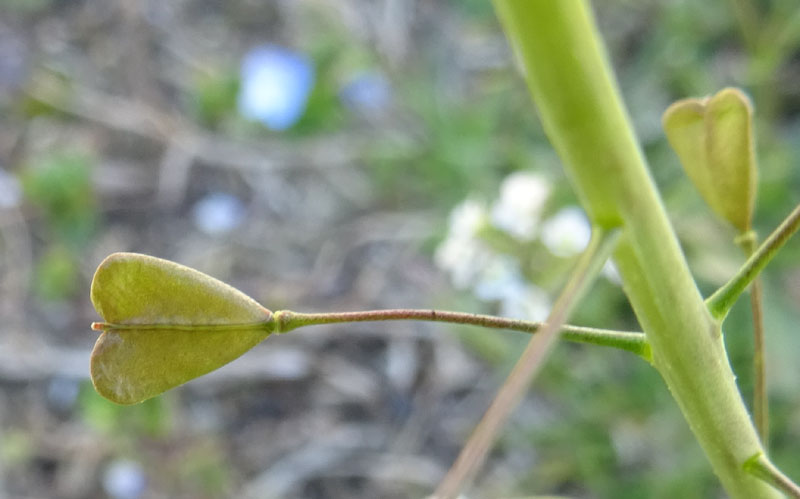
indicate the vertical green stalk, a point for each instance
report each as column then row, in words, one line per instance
column 749, row 19
column 474, row 453
column 760, row 399
column 572, row 84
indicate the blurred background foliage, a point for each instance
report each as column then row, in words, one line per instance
column 357, row 154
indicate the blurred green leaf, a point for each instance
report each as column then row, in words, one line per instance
column 57, row 274
column 16, row 448
column 166, row 324
column 213, row 97
column 324, row 111
column 149, row 418
column 205, row 466
column 26, row 6
column 60, row 186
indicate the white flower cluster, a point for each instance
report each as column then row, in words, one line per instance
column 494, row 277
column 522, row 198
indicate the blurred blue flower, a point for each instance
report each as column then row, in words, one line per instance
column 367, row 92
column 62, row 393
column 124, row 479
column 276, row 84
column 218, row 213
column 14, row 62
column 10, row 190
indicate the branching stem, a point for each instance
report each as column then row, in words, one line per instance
column 760, row 466
column 720, row 303
column 634, row 342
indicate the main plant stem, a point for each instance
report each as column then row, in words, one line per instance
column 572, row 84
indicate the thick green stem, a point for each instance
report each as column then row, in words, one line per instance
column 720, row 303
column 480, row 442
column 572, row 84
column 623, row 340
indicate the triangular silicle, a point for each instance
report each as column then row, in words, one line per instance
column 166, row 324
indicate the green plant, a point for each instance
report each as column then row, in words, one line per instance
column 166, row 324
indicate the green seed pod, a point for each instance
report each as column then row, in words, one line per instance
column 713, row 138
column 165, row 324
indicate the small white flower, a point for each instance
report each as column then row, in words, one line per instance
column 501, row 281
column 525, row 301
column 611, row 273
column 462, row 254
column 497, row 277
column 567, row 233
column 522, row 197
column 462, row 258
column 467, row 218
